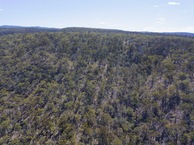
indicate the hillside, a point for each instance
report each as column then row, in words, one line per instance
column 7, row 30
column 96, row 87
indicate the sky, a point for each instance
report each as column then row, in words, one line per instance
column 130, row 15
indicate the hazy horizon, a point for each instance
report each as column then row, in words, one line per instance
column 91, row 28
column 151, row 16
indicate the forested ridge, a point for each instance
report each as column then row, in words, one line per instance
column 96, row 87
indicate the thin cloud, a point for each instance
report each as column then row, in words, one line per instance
column 169, row 29
column 160, row 20
column 103, row 23
column 173, row 3
column 156, row 6
column 180, row 29
column 1, row 9
column 108, row 24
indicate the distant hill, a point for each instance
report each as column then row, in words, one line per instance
column 7, row 29
column 180, row 33
column 84, row 29
column 184, row 33
column 36, row 27
column 10, row 26
column 11, row 29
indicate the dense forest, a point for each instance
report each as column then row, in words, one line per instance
column 79, row 86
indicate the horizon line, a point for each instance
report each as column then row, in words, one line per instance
column 47, row 27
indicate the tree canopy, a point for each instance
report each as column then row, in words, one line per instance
column 86, row 86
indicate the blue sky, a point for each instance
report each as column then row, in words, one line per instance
column 132, row 15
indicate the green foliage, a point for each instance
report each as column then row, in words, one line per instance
column 91, row 86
